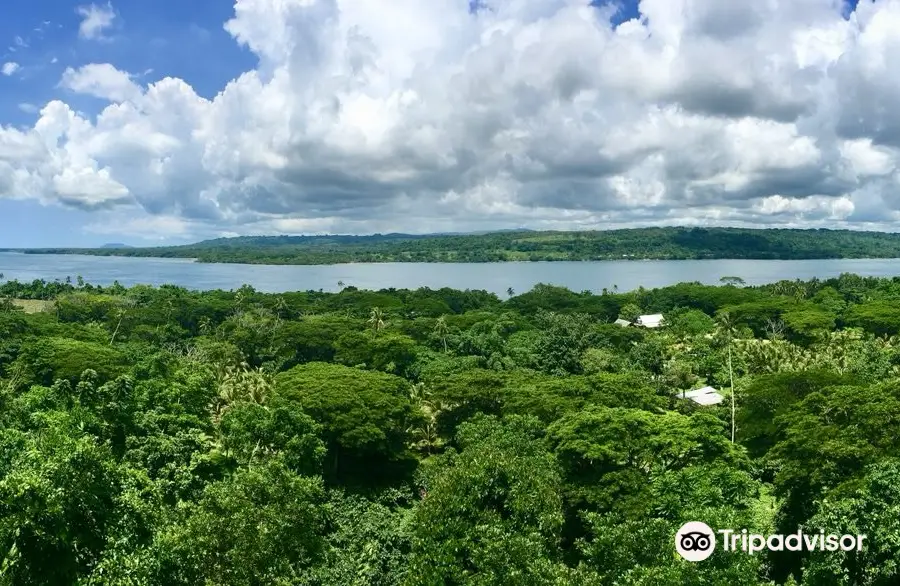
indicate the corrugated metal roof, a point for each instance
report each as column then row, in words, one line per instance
column 696, row 392
column 651, row 321
column 708, row 399
column 703, row 396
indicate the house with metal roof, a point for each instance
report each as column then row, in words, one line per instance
column 654, row 320
column 703, row 396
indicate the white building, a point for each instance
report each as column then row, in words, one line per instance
column 622, row 322
column 650, row 321
column 704, row 396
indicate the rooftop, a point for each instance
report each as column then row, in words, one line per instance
column 653, row 320
column 703, row 396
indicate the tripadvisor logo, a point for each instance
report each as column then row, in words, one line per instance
column 696, row 541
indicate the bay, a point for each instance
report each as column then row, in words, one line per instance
column 494, row 277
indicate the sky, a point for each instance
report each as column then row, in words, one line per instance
column 168, row 122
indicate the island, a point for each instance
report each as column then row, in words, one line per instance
column 668, row 243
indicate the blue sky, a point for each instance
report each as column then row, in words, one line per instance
column 345, row 191
column 158, row 38
column 155, row 39
column 176, row 38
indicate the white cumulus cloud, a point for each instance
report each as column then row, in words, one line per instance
column 418, row 116
column 95, row 20
column 9, row 68
column 102, row 81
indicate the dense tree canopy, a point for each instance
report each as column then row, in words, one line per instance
column 385, row 438
column 643, row 243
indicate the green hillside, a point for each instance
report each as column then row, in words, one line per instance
column 639, row 243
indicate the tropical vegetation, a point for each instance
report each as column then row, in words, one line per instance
column 627, row 244
column 429, row 437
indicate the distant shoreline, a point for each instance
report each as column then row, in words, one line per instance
column 663, row 244
column 274, row 263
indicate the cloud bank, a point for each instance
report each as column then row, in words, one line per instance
column 368, row 116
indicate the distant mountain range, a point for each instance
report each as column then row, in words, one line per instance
column 116, row 245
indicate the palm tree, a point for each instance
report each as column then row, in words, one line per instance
column 441, row 329
column 340, row 284
column 240, row 384
column 425, row 436
column 728, row 330
column 257, row 385
column 376, row 320
column 418, row 393
column 510, row 291
column 228, row 393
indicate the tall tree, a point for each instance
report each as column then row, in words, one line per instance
column 727, row 330
column 376, row 320
column 441, row 330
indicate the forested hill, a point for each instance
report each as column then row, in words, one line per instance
column 639, row 243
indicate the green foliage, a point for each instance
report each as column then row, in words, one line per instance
column 832, row 433
column 492, row 512
column 48, row 359
column 364, row 416
column 251, row 432
column 550, row 398
column 829, row 438
column 686, row 322
column 370, row 543
column 630, row 312
column 389, row 352
column 756, row 315
column 164, row 436
column 830, row 300
column 639, row 243
column 263, row 525
column 639, row 552
column 311, row 339
column 808, row 323
column 870, row 507
column 563, row 340
column 878, row 317
column 611, row 455
column 57, row 501
column 771, row 396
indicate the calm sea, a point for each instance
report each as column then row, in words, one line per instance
column 495, row 277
